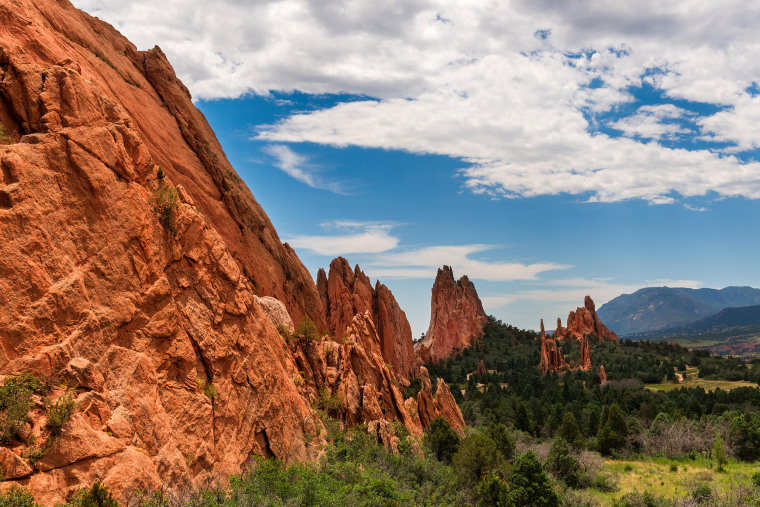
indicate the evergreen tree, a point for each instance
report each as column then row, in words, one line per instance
column 563, row 464
column 569, row 429
column 529, row 485
column 719, row 452
column 441, row 439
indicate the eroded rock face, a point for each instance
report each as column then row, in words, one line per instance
column 457, row 318
column 585, row 355
column 551, row 355
column 481, row 368
column 142, row 308
column 346, row 293
column 603, row 375
column 584, row 321
column 441, row 405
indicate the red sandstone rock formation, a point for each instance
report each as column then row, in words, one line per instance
column 142, row 308
column 441, row 405
column 584, row 321
column 603, row 375
column 456, row 318
column 481, row 368
column 585, row 355
column 551, row 355
column 559, row 332
column 346, row 293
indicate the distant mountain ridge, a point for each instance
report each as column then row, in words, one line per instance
column 726, row 320
column 658, row 308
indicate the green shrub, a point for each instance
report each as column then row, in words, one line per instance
column 15, row 402
column 477, row 455
column 165, row 202
column 756, row 479
column 563, row 464
column 701, row 492
column 208, row 388
column 5, row 136
column 96, row 496
column 59, row 413
column 719, row 452
column 160, row 173
column 305, row 331
column 284, row 331
column 328, row 401
column 529, row 485
column 17, row 497
column 441, row 439
column 673, row 467
column 499, row 433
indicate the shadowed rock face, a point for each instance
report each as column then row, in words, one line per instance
column 141, row 310
column 346, row 293
column 456, row 318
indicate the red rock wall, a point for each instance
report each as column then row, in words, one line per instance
column 346, row 293
column 456, row 318
column 551, row 354
column 94, row 288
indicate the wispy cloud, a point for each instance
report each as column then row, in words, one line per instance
column 654, row 122
column 298, row 167
column 695, row 208
column 464, row 259
column 354, row 238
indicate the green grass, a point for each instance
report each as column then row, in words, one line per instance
column 691, row 379
column 656, row 476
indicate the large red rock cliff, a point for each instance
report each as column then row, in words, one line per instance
column 142, row 304
column 346, row 293
column 457, row 318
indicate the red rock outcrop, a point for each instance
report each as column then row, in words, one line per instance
column 603, row 375
column 346, row 293
column 130, row 257
column 585, row 355
column 551, row 355
column 457, row 318
column 441, row 405
column 481, row 368
column 584, row 321
column 560, row 332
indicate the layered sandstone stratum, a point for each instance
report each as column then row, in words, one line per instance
column 136, row 266
column 457, row 318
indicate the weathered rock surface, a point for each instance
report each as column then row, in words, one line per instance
column 551, row 355
column 481, row 368
column 441, row 405
column 142, row 310
column 346, row 293
column 603, row 375
column 457, row 318
column 585, row 355
column 584, row 321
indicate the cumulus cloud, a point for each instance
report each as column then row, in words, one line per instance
column 510, row 87
column 654, row 122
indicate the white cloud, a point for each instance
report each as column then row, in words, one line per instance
column 695, row 208
column 357, row 238
column 472, row 80
column 297, row 166
column 648, row 122
column 463, row 259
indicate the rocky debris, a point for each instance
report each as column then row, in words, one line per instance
column 603, row 375
column 12, row 465
column 584, row 321
column 346, row 293
column 457, row 318
column 441, row 405
column 276, row 312
column 385, row 434
column 551, row 355
column 481, row 368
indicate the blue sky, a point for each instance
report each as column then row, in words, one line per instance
column 547, row 151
